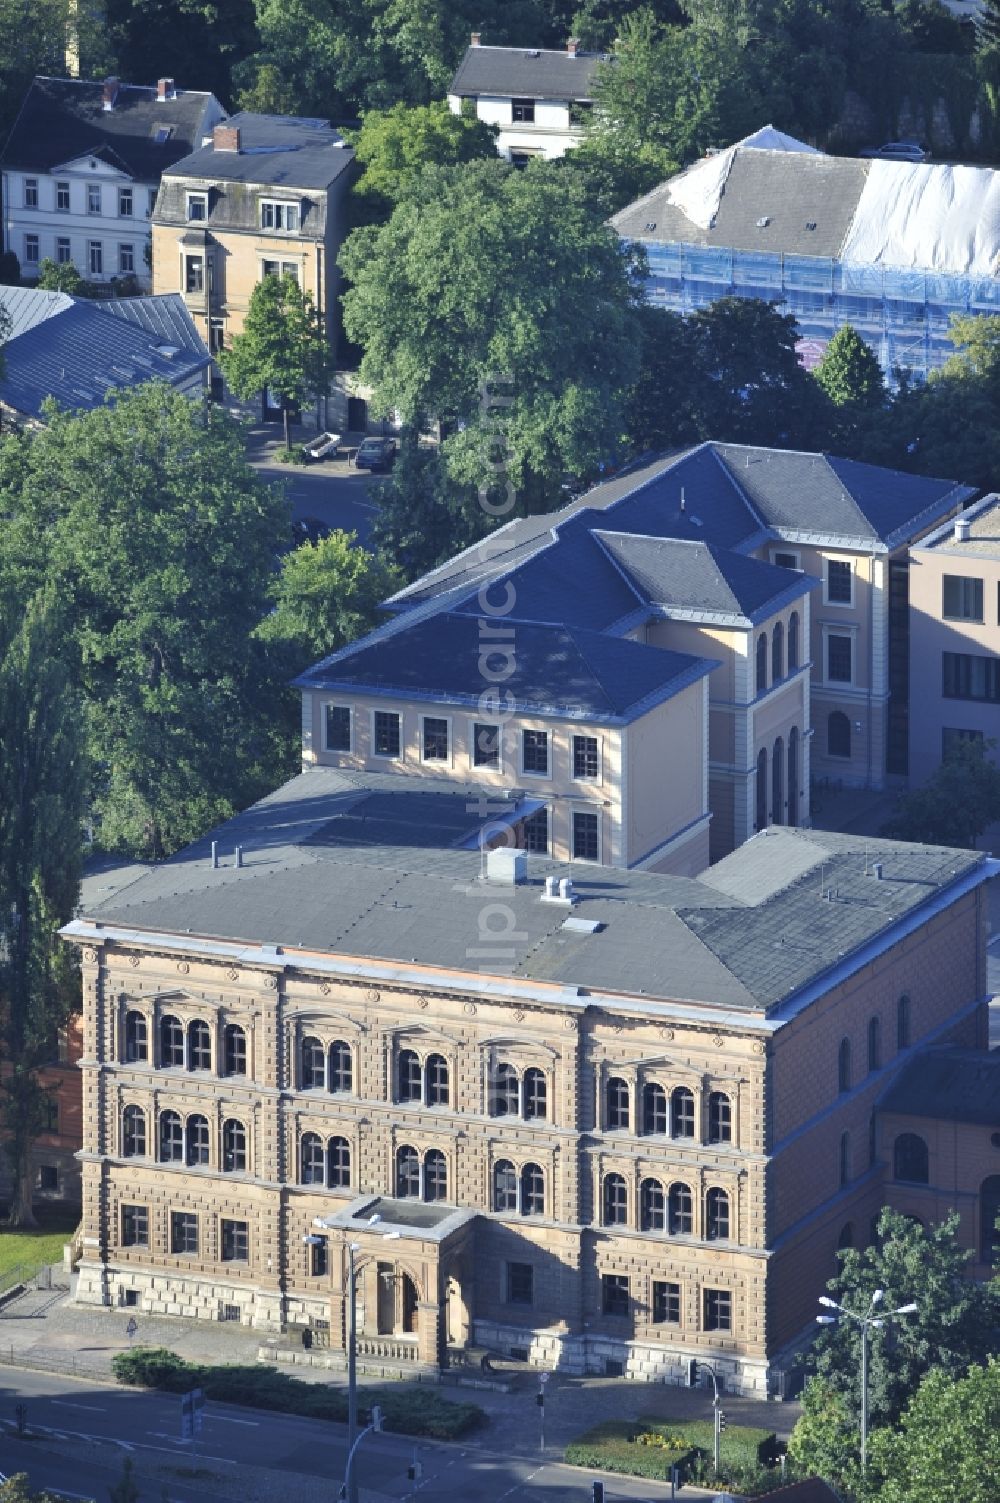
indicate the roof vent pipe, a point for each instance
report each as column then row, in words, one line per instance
column 877, row 870
column 551, row 887
column 239, row 855
column 962, row 529
column 566, row 889
column 215, row 853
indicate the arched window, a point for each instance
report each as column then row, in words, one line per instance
column 617, row 1103
column 313, row 1166
column 846, row 1238
column 171, row 1138
column 910, row 1159
column 778, row 782
column 681, row 1112
column 717, row 1216
column 504, row 1186
column 762, row 662
column 615, row 1200
column 338, row 1164
column 652, row 1206
column 235, row 1049
column 234, row 1146
column 720, row 1118
column 197, row 1139
column 199, row 1045
column 654, row 1110
column 903, row 1022
column 844, row 1066
column 989, row 1210
column 436, row 1071
column 874, row 1044
column 793, row 641
column 680, row 1211
column 535, row 1095
column 505, row 1102
column 838, row 734
column 341, row 1077
column 793, row 775
column 409, row 1076
column 134, row 1132
column 171, row 1042
column 532, row 1191
column 136, row 1038
column 845, row 1158
column 777, row 653
column 407, row 1173
column 761, row 811
column 435, row 1175
column 311, row 1077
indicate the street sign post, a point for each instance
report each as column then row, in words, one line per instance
column 192, row 1413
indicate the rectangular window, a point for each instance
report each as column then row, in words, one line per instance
column 485, row 745
column 522, row 111
column 586, row 761
column 48, row 1178
column 194, row 273
column 63, row 252
column 970, row 675
column 280, row 269
column 124, row 203
column 666, row 1303
column 536, row 832
column 434, row 745
column 93, row 198
column 962, row 599
column 951, row 739
column 31, row 193
column 150, row 201
column 520, row 1288
column 235, row 1242
column 184, row 1233
column 839, row 582
column 785, row 560
column 838, row 659
column 535, row 752
column 718, row 1310
column 135, row 1226
column 95, row 257
column 31, row 249
column 337, row 727
column 614, row 1293
column 126, row 259
column 319, row 1257
column 586, row 836
column 197, row 206
column 216, row 335
column 278, row 216
column 385, row 741
column 62, row 197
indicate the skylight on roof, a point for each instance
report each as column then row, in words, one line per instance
column 161, row 134
column 168, row 351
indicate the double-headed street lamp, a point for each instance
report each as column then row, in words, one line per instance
column 867, row 1323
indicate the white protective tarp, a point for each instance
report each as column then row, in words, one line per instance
column 698, row 191
column 938, row 218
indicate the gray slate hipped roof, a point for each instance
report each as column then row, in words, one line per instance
column 702, row 581
column 962, row 1085
column 522, row 73
column 278, row 151
column 64, row 118
column 562, row 670
column 786, row 912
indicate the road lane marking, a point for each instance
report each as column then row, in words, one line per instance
column 66, row 1404
column 523, row 1483
column 226, row 1420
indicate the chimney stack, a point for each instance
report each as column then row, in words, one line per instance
column 477, row 38
column 226, row 138
column 962, row 526
column 573, row 46
column 165, row 89
column 109, row 93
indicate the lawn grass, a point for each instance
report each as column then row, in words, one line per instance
column 33, row 1249
column 648, row 1448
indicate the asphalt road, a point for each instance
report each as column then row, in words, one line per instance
column 80, row 1431
column 331, row 490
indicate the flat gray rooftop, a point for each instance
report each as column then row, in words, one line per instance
column 983, row 540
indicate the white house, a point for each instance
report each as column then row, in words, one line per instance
column 82, row 167
column 539, row 99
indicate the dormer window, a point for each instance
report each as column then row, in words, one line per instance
column 522, row 111
column 197, row 206
column 278, row 215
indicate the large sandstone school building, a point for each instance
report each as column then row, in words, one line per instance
column 609, row 1120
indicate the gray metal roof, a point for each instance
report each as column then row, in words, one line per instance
column 64, row 118
column 164, row 316
column 28, row 306
column 704, row 581
column 741, row 937
column 276, row 151
column 959, row 1085
column 517, row 72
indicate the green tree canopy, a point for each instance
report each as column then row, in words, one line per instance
column 826, row 1439
column 160, row 539
column 326, row 595
column 850, row 374
column 17, row 1489
column 393, row 145
column 58, row 276
column 947, row 1446
column 282, row 348
column 956, row 804
column 951, row 1329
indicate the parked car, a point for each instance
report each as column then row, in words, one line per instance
column 898, row 151
column 323, row 446
column 308, row 530
column 375, row 454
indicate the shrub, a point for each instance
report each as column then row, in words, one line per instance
column 408, row 1411
column 643, row 1448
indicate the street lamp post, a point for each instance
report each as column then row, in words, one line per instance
column 868, row 1323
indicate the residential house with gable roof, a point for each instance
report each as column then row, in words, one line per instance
column 538, row 98
column 82, row 166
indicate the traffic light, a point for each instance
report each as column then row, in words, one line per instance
column 722, row 1421
column 692, row 1372
column 377, row 1418
column 598, row 1492
column 540, row 1400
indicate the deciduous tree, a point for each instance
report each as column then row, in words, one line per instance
column 59, row 276
column 326, row 594
column 947, row 1446
column 393, row 145
column 282, row 348
column 956, row 804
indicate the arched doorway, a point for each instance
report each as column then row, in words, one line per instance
column 778, row 782
column 793, row 775
column 409, row 1317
